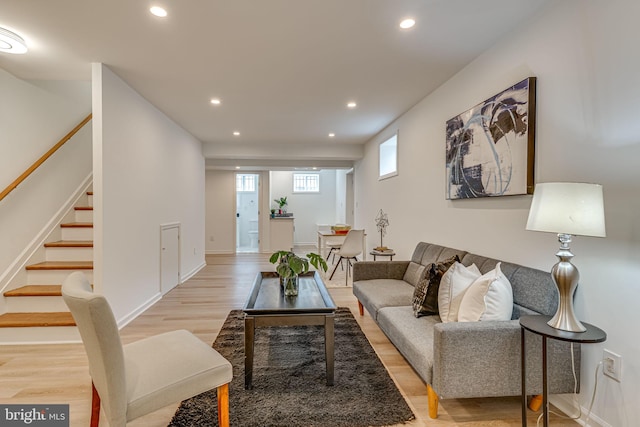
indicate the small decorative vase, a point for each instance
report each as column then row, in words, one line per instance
column 291, row 286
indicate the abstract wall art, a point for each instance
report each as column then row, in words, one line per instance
column 490, row 147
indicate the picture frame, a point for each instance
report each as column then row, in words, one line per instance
column 490, row 147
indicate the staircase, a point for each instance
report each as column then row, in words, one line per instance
column 36, row 311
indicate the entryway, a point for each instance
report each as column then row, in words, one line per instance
column 247, row 212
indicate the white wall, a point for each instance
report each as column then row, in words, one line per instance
column 309, row 209
column 148, row 171
column 35, row 115
column 583, row 54
column 341, row 196
column 220, row 208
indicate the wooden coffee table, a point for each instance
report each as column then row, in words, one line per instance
column 268, row 306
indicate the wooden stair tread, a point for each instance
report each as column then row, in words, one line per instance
column 25, row 320
column 77, row 225
column 83, row 208
column 70, row 244
column 35, row 291
column 62, row 265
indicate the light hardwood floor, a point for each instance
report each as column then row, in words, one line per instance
column 48, row 374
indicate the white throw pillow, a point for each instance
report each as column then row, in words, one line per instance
column 489, row 297
column 453, row 285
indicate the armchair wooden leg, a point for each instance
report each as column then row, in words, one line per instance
column 432, row 399
column 360, row 308
column 223, row 405
column 95, row 406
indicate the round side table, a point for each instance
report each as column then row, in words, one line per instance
column 388, row 253
column 538, row 325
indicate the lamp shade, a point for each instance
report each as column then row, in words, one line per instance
column 567, row 208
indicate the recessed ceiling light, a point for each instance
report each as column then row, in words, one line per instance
column 158, row 11
column 215, row 101
column 10, row 42
column 352, row 105
column 407, row 23
column 236, row 133
column 331, row 135
column 237, row 167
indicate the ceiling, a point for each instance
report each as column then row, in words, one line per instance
column 284, row 70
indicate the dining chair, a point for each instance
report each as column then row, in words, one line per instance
column 333, row 249
column 138, row 378
column 350, row 249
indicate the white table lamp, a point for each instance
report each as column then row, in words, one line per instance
column 567, row 208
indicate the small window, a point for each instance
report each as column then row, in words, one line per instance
column 246, row 183
column 388, row 157
column 306, row 182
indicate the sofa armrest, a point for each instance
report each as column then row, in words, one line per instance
column 473, row 359
column 482, row 359
column 368, row 270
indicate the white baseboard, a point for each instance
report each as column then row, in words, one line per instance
column 124, row 321
column 565, row 403
column 219, row 252
column 193, row 272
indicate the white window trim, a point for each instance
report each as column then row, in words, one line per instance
column 242, row 190
column 395, row 171
column 293, row 183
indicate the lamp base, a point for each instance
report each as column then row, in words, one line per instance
column 565, row 275
column 565, row 322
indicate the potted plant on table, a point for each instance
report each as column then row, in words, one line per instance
column 290, row 266
column 282, row 203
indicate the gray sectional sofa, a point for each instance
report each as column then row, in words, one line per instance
column 465, row 359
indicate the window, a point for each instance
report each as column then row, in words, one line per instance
column 245, row 183
column 306, row 182
column 388, row 157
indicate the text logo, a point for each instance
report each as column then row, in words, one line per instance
column 34, row 415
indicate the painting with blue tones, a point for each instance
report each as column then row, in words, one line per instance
column 490, row 147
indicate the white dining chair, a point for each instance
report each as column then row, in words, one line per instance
column 350, row 249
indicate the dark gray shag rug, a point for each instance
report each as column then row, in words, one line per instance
column 289, row 382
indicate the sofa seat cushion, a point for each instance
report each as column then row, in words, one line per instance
column 412, row 336
column 378, row 293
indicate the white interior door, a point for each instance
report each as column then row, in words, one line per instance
column 247, row 212
column 169, row 257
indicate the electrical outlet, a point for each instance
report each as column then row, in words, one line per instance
column 612, row 363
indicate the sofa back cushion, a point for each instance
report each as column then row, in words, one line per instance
column 424, row 255
column 533, row 290
column 414, row 274
column 428, row 253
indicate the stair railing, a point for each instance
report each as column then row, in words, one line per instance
column 42, row 159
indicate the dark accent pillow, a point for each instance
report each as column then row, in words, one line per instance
column 425, row 295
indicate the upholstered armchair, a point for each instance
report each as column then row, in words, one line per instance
column 138, row 378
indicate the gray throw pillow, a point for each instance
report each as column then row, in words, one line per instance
column 425, row 294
